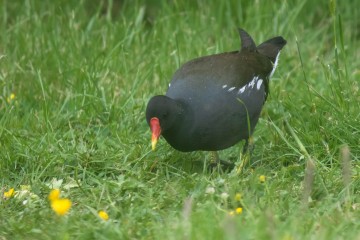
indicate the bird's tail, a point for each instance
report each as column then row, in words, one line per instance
column 272, row 47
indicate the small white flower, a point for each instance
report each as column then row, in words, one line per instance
column 24, row 202
column 224, row 195
column 210, row 190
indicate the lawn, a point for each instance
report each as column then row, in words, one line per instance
column 75, row 78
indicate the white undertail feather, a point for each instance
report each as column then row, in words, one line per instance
column 275, row 64
column 258, row 84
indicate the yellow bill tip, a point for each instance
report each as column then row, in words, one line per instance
column 153, row 144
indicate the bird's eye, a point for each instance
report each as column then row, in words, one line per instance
column 164, row 115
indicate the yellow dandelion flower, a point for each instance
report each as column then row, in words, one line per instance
column 10, row 98
column 61, row 206
column 238, row 197
column 231, row 213
column 239, row 210
column 103, row 215
column 9, row 193
column 54, row 194
column 262, row 178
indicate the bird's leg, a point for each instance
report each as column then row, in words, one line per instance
column 216, row 161
column 246, row 154
column 214, row 158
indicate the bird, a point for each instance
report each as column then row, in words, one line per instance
column 215, row 101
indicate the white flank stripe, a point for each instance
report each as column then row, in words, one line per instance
column 242, row 89
column 275, row 64
column 258, row 84
column 224, row 86
column 230, row 89
column 252, row 83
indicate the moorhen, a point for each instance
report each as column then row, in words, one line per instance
column 215, row 101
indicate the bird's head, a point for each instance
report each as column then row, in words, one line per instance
column 161, row 115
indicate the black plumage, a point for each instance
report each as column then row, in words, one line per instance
column 215, row 101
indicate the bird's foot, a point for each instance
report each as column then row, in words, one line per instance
column 246, row 155
column 249, row 146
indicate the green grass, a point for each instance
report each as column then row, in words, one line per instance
column 82, row 73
